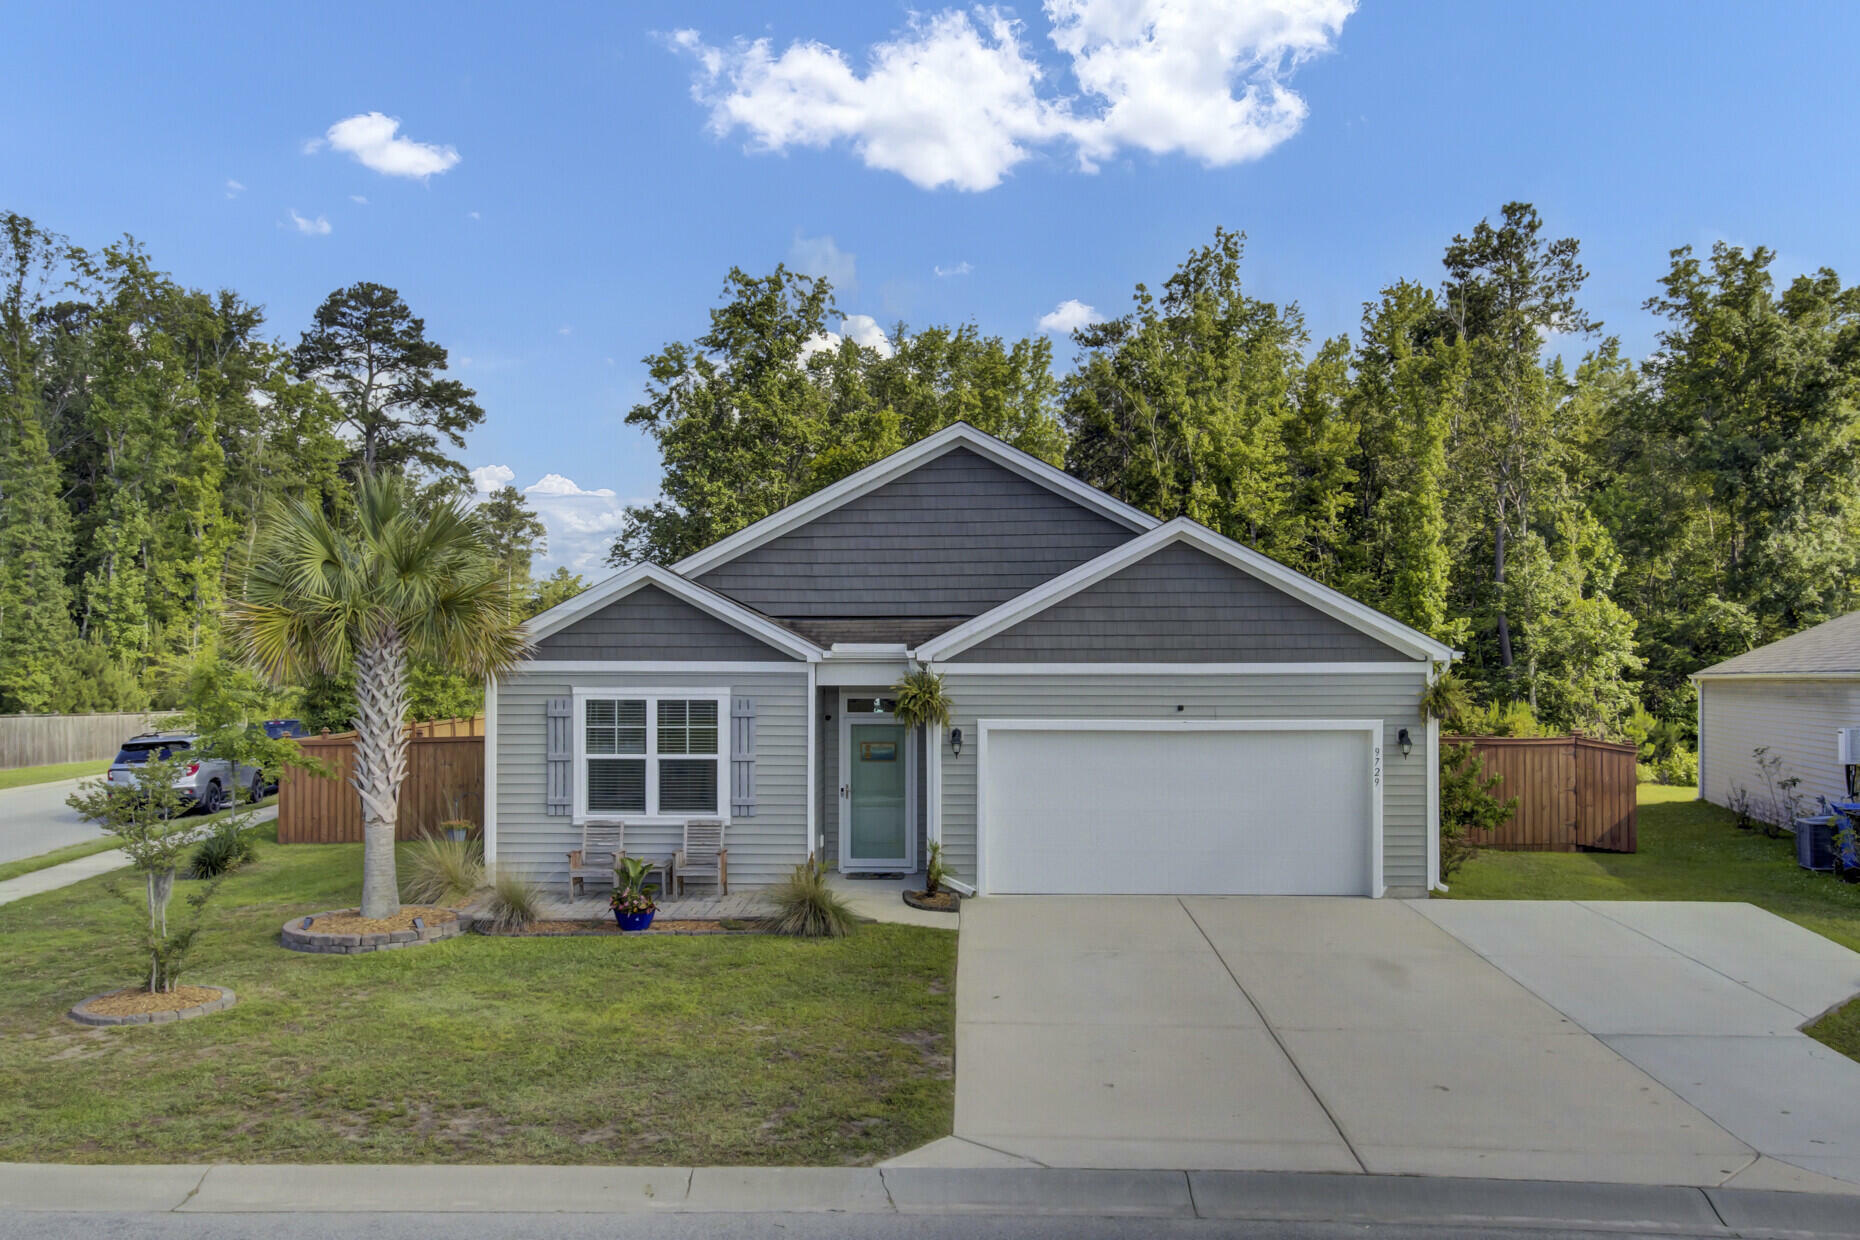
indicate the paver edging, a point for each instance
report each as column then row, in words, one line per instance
column 83, row 1016
column 294, row 937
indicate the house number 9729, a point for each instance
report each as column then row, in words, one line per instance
column 1375, row 765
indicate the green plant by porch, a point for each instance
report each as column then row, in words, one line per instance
column 921, row 700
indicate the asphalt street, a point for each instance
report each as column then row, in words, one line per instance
column 35, row 819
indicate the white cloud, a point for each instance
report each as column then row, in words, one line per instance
column 956, row 98
column 556, row 484
column 960, row 269
column 821, row 256
column 373, row 139
column 234, row 189
column 565, row 330
column 473, row 215
column 358, row 199
column 488, row 478
column 318, row 227
column 1068, row 316
column 861, row 329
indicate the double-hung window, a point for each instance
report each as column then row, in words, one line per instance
column 649, row 755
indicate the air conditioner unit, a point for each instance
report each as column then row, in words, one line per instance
column 1847, row 743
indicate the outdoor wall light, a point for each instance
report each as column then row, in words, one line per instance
column 1405, row 741
column 955, row 741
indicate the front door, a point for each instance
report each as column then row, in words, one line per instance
column 876, row 787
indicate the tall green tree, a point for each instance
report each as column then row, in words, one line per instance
column 371, row 352
column 36, row 629
column 514, row 534
column 399, row 583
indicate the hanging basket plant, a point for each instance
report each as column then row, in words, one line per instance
column 921, row 700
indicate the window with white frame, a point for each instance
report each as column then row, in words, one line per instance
column 650, row 755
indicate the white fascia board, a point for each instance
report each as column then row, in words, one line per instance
column 867, row 650
column 1411, row 667
column 901, row 462
column 1333, row 603
column 1729, row 677
column 639, row 576
column 701, row 667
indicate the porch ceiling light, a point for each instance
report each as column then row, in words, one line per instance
column 1405, row 741
column 955, row 741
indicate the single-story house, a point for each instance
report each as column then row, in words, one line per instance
column 1139, row 705
column 1793, row 697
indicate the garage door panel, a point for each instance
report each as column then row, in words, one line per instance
column 1177, row 811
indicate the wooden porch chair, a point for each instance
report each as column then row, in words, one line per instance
column 602, row 845
column 703, row 857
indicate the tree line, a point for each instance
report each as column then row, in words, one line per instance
column 1589, row 533
column 147, row 428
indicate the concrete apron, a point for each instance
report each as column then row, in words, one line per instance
column 1384, row 1200
column 1306, row 1035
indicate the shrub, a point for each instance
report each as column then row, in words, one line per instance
column 805, row 906
column 934, row 873
column 229, row 847
column 442, row 871
column 1501, row 719
column 514, row 902
column 1678, row 768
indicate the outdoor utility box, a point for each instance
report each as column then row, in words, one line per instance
column 1814, row 842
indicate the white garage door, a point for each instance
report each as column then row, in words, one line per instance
column 1114, row 808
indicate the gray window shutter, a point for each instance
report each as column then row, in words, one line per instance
column 561, row 757
column 742, row 757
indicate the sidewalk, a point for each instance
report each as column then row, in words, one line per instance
column 1042, row 1192
column 54, row 877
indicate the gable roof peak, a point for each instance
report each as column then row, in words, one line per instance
column 900, row 463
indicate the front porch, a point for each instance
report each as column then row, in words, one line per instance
column 878, row 898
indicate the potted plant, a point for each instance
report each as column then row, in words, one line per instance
column 456, row 829
column 633, row 908
column 933, row 897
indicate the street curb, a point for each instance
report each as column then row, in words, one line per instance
column 1296, row 1197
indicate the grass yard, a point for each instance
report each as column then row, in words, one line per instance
column 1689, row 850
column 665, row 1050
column 21, row 776
column 103, row 843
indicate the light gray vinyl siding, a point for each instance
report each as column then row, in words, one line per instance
column 1392, row 697
column 1180, row 605
column 954, row 537
column 762, row 849
column 651, row 624
column 1796, row 719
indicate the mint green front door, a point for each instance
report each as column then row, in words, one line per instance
column 877, row 822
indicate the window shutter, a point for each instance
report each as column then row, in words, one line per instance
column 743, row 757
column 561, row 757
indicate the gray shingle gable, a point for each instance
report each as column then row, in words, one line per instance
column 651, row 624
column 954, row 537
column 1180, row 605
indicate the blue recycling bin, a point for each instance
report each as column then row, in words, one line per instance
column 1849, row 857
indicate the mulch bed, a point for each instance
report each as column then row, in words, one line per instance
column 344, row 932
column 941, row 902
column 557, row 929
column 135, row 1006
column 353, row 923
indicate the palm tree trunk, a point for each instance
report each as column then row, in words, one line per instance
column 380, row 760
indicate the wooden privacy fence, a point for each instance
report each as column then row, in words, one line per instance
column 40, row 740
column 445, row 779
column 1573, row 792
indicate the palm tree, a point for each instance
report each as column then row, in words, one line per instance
column 401, row 579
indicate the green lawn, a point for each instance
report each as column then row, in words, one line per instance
column 659, row 1050
column 20, row 776
column 103, row 843
column 1689, row 850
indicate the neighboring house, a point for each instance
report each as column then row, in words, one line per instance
column 1793, row 697
column 1142, row 706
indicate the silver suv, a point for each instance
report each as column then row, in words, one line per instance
column 207, row 783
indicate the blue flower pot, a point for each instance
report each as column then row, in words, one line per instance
column 632, row 921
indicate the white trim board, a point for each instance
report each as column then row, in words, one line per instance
column 1372, row 729
column 490, row 775
column 1414, row 667
column 1331, row 602
column 899, row 463
column 704, row 599
column 666, row 666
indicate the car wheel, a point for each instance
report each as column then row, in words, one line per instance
column 210, row 800
column 257, row 789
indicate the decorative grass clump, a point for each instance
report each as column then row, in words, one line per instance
column 806, row 907
column 515, row 903
column 442, row 871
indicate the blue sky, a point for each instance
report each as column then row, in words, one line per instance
column 567, row 185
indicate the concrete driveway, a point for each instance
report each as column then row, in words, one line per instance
column 1436, row 1038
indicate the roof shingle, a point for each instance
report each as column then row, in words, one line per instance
column 1827, row 649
